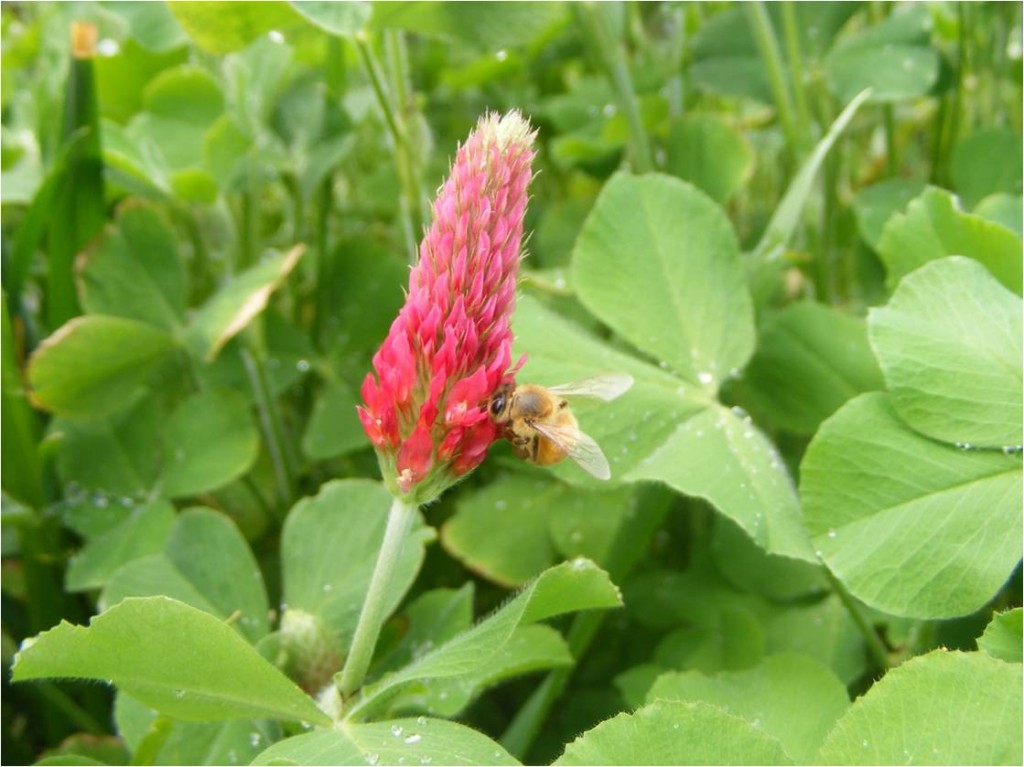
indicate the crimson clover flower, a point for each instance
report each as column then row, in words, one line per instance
column 449, row 349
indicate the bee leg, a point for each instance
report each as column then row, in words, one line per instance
column 562, row 404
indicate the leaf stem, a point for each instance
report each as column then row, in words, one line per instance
column 769, row 48
column 874, row 642
column 374, row 611
column 270, row 420
column 612, row 57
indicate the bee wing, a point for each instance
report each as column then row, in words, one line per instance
column 577, row 445
column 606, row 387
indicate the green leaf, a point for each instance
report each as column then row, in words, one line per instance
column 207, row 564
column 792, row 698
column 157, row 739
column 659, row 262
column 529, row 649
column 95, row 365
column 750, row 568
column 810, row 359
column 668, row 430
column 940, row 708
column 431, row 619
column 934, row 227
column 151, row 24
column 668, row 732
column 172, row 657
column 134, row 271
column 986, row 162
column 209, row 441
column 1002, row 637
column 179, row 106
column 704, row 150
column 727, row 638
column 142, row 532
column 343, row 19
column 875, row 204
column 824, row 630
column 906, row 536
column 233, row 306
column 1003, row 209
column 115, row 456
column 892, row 58
column 509, row 531
column 950, row 344
column 329, row 546
column 223, row 27
column 790, row 210
column 488, row 25
column 572, row 586
column 412, row 741
column 334, row 428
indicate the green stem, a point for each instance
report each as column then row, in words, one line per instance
column 769, row 48
column 324, row 260
column 270, row 419
column 892, row 164
column 400, row 139
column 612, row 56
column 374, row 611
column 874, row 642
column 796, row 73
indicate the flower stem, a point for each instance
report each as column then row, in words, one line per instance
column 612, row 57
column 375, row 606
column 874, row 642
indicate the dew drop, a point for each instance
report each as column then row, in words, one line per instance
column 100, row 501
column 254, row 739
column 396, row 730
column 372, row 758
column 705, row 377
column 421, row 720
column 179, row 694
column 328, row 587
column 107, row 47
column 302, row 366
column 414, row 738
column 425, row 760
column 501, row 55
column 275, row 36
column 864, row 743
column 832, row 533
column 609, row 110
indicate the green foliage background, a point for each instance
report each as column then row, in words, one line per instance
column 798, row 226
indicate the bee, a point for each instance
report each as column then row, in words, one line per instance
column 541, row 427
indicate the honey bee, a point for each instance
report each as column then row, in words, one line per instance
column 541, row 427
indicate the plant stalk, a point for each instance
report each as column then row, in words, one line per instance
column 769, row 48
column 874, row 642
column 404, row 156
column 612, row 56
column 796, row 73
column 270, row 419
column 374, row 611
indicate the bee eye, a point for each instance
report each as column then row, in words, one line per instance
column 497, row 404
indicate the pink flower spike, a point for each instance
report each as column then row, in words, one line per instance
column 450, row 347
